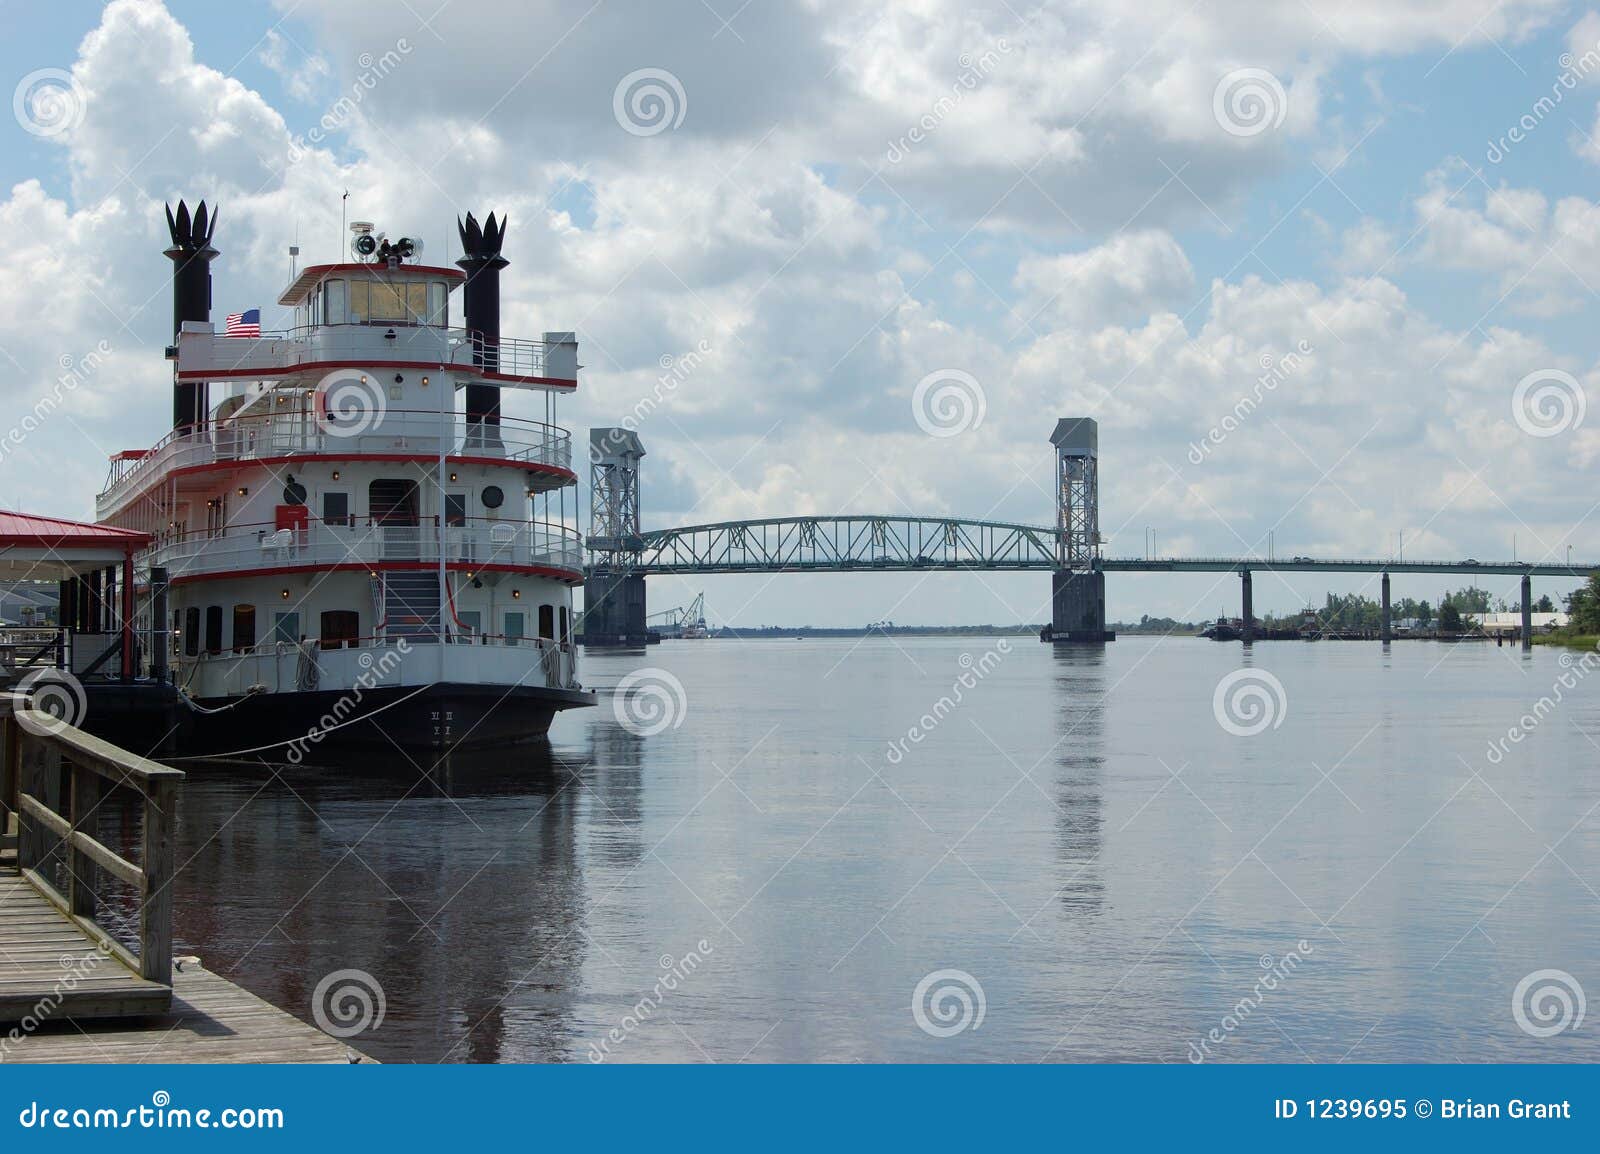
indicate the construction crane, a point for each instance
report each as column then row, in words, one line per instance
column 687, row 622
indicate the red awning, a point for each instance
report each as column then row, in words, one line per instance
column 27, row 529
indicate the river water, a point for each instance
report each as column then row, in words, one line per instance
column 941, row 849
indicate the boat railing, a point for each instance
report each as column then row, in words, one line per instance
column 347, row 433
column 377, row 342
column 324, row 544
column 281, row 665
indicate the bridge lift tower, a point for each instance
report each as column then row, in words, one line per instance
column 613, row 596
column 1078, row 586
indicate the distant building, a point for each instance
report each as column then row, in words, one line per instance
column 1511, row 623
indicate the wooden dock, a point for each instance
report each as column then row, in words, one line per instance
column 70, row 991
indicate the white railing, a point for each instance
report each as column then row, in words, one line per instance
column 202, row 352
column 303, row 431
column 284, row 667
column 322, row 545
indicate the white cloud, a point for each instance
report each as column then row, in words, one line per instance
column 1126, row 278
column 303, row 73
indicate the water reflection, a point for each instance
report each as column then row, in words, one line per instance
column 1080, row 678
column 455, row 883
column 516, row 904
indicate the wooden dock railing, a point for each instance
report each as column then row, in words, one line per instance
column 52, row 780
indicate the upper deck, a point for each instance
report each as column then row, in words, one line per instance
column 206, row 355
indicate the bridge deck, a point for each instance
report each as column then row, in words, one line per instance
column 898, row 543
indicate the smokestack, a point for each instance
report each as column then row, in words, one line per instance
column 481, row 304
column 191, row 255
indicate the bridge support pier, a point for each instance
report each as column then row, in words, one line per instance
column 1247, row 621
column 614, row 610
column 1527, row 612
column 1385, row 624
column 1078, row 607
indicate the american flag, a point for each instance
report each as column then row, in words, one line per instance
column 245, row 324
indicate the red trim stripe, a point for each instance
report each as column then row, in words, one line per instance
column 566, row 576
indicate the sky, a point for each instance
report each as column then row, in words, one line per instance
column 1324, row 273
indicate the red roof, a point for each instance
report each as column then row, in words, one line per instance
column 26, row 529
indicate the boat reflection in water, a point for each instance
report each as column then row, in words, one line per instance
column 452, row 883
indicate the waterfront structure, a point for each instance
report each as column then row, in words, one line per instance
column 622, row 554
column 339, row 535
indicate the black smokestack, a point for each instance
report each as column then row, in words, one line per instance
column 481, row 303
column 191, row 255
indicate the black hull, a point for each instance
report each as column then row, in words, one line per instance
column 448, row 715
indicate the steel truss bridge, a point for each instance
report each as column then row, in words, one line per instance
column 901, row 544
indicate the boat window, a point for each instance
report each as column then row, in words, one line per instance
column 286, row 627
column 385, row 302
column 566, row 626
column 471, row 622
column 515, row 630
column 340, row 627
column 438, row 303
column 213, row 629
column 336, row 509
column 244, row 628
column 547, row 622
column 455, row 508
column 191, row 632
column 333, row 303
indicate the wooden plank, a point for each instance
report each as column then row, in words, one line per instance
column 107, row 859
column 160, row 863
column 97, row 979
column 210, row 1020
column 111, row 761
column 83, row 851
